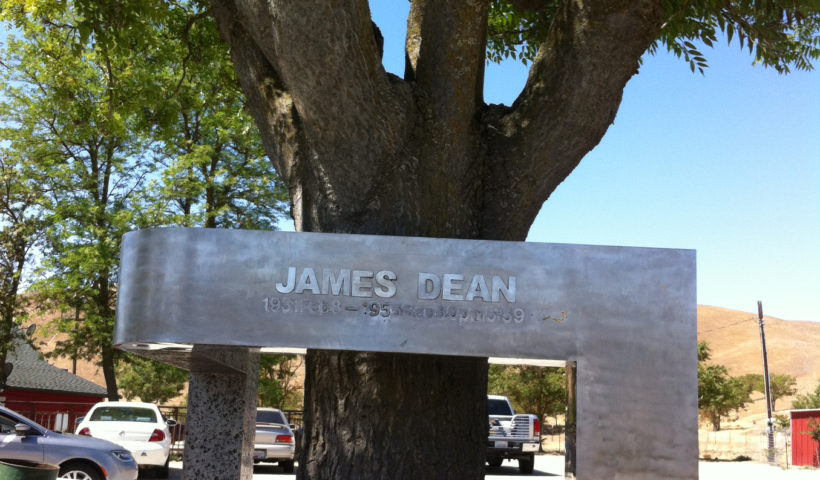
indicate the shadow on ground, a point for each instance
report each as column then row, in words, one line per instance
column 511, row 470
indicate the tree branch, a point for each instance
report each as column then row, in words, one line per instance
column 445, row 45
column 345, row 106
column 571, row 97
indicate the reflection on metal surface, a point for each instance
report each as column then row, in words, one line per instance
column 394, row 294
column 627, row 316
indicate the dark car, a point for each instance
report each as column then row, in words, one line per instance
column 79, row 458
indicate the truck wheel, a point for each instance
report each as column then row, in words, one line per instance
column 495, row 462
column 526, row 464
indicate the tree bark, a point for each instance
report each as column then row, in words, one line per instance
column 110, row 374
column 376, row 416
column 363, row 151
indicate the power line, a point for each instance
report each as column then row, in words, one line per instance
column 745, row 320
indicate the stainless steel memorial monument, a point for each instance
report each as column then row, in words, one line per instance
column 210, row 300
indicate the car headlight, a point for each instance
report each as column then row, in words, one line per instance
column 122, row 455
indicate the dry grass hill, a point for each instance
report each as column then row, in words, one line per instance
column 734, row 338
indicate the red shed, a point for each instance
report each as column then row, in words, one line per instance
column 46, row 394
column 805, row 450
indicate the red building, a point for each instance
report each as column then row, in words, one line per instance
column 805, row 450
column 46, row 394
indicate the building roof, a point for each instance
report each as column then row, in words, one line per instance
column 32, row 373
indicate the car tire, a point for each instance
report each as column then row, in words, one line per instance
column 162, row 472
column 78, row 471
column 495, row 462
column 527, row 464
column 287, row 466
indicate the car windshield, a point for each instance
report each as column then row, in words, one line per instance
column 498, row 407
column 123, row 414
column 265, row 416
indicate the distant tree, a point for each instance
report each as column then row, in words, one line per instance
column 145, row 129
column 752, row 382
column 704, row 352
column 531, row 389
column 276, row 374
column 21, row 226
column 807, row 401
column 214, row 169
column 72, row 108
column 151, row 381
column 719, row 394
column 780, row 385
column 782, row 422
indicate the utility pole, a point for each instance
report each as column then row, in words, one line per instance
column 769, row 419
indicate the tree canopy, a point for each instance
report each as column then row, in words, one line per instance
column 538, row 390
column 115, row 136
column 719, row 394
column 807, row 400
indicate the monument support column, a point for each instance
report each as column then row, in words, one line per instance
column 221, row 417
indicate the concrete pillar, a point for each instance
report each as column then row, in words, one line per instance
column 221, row 417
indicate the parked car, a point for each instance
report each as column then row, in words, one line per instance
column 274, row 439
column 136, row 426
column 79, row 458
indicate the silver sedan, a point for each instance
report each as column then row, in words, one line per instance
column 79, row 458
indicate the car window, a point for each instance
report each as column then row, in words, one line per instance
column 7, row 424
column 123, row 414
column 498, row 407
column 263, row 416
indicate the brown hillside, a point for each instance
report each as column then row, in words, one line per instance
column 734, row 339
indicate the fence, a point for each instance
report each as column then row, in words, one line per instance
column 731, row 444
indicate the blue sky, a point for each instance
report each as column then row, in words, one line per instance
column 727, row 164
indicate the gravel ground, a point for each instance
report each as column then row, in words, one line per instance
column 552, row 466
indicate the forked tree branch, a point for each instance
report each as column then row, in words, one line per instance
column 323, row 59
column 571, row 97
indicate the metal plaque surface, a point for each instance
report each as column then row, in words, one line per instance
column 627, row 316
column 390, row 294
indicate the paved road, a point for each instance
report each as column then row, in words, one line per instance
column 552, row 466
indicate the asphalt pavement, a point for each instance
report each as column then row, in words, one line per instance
column 552, row 466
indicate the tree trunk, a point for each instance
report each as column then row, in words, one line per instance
column 363, row 151
column 109, row 373
column 376, row 416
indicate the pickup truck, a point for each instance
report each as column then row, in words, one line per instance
column 511, row 436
